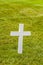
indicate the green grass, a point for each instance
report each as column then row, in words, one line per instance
column 11, row 15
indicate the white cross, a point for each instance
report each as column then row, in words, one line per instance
column 21, row 33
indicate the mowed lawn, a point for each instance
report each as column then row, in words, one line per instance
column 11, row 15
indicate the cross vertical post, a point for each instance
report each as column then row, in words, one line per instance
column 20, row 41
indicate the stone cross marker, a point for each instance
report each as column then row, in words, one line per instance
column 20, row 33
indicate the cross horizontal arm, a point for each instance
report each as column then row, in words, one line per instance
column 28, row 33
column 20, row 33
column 14, row 33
